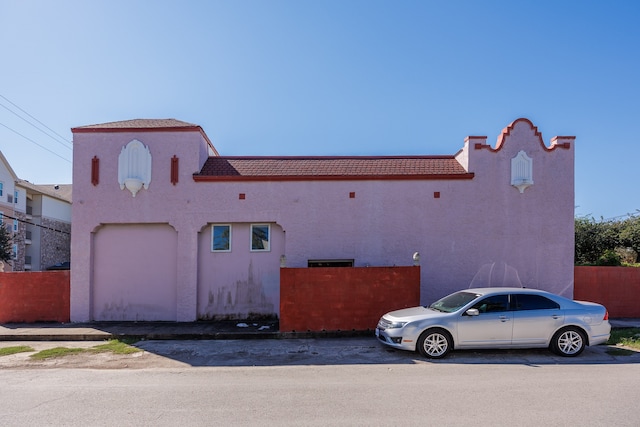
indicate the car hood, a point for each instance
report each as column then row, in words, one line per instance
column 413, row 313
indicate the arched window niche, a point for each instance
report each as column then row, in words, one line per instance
column 522, row 171
column 134, row 167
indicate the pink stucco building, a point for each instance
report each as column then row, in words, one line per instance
column 165, row 228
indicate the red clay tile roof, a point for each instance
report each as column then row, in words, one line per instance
column 305, row 168
column 140, row 124
column 145, row 125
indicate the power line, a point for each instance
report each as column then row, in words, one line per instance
column 62, row 141
column 32, row 141
column 4, row 215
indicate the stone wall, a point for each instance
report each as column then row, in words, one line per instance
column 55, row 242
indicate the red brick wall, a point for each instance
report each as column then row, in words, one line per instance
column 41, row 296
column 331, row 299
column 617, row 288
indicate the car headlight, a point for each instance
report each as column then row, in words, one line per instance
column 396, row 325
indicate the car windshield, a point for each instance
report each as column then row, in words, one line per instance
column 453, row 302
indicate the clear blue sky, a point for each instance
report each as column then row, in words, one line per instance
column 330, row 78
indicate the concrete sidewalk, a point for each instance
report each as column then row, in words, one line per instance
column 205, row 330
column 221, row 330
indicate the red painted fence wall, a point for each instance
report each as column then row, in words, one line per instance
column 317, row 299
column 617, row 288
column 41, row 296
column 345, row 299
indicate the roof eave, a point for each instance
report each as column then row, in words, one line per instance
column 240, row 178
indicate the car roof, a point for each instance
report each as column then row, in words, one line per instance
column 487, row 291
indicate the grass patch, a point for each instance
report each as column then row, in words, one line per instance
column 55, row 352
column 15, row 349
column 116, row 346
column 626, row 337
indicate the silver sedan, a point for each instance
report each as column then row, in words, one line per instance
column 496, row 318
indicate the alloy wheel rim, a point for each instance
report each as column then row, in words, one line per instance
column 570, row 342
column 435, row 345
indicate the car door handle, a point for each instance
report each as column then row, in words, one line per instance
column 555, row 316
column 503, row 318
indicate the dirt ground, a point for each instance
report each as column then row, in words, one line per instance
column 104, row 360
column 198, row 353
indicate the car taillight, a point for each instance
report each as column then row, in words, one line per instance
column 606, row 315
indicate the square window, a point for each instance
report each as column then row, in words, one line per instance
column 221, row 238
column 260, row 237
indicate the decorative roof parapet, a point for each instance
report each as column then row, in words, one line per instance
column 565, row 144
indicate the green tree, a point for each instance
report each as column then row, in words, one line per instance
column 630, row 234
column 593, row 238
column 607, row 242
column 6, row 239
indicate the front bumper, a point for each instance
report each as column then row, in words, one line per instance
column 393, row 338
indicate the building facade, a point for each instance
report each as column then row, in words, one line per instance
column 8, row 217
column 38, row 217
column 165, row 228
column 45, row 234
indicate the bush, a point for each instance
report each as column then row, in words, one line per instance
column 609, row 258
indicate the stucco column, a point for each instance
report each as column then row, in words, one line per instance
column 80, row 298
column 187, row 270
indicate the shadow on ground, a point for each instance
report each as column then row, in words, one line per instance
column 354, row 351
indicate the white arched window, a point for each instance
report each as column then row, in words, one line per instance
column 522, row 171
column 134, row 167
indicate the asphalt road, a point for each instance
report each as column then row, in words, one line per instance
column 342, row 382
column 339, row 395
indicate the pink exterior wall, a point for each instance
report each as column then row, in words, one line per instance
column 477, row 232
column 239, row 284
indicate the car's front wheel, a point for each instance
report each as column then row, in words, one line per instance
column 434, row 343
column 568, row 342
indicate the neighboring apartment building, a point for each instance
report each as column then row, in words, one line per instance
column 39, row 216
column 47, row 225
column 8, row 192
column 164, row 228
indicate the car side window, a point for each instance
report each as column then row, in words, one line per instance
column 534, row 302
column 493, row 304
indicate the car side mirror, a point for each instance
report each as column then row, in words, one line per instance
column 472, row 312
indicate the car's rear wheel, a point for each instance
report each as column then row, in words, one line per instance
column 434, row 343
column 568, row 342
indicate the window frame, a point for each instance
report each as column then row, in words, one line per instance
column 516, row 303
column 213, row 237
column 491, row 299
column 1, row 188
column 251, row 234
column 15, row 251
column 15, row 197
column 16, row 225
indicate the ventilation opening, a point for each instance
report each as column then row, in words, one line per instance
column 330, row 263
